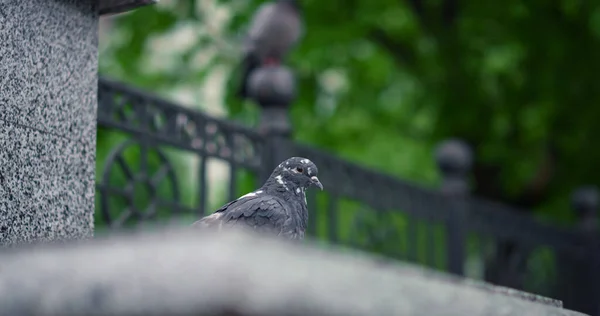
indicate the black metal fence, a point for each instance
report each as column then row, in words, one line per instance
column 138, row 183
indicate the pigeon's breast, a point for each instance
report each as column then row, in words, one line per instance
column 299, row 215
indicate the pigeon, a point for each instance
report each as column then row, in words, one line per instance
column 278, row 207
column 274, row 29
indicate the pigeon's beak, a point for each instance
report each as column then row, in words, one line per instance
column 315, row 181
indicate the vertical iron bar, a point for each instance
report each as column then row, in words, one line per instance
column 202, row 177
column 413, row 239
column 202, row 194
column 266, row 161
column 233, row 167
column 412, row 252
column 143, row 159
column 455, row 238
column 332, row 222
column 430, row 241
column 232, row 182
column 312, row 212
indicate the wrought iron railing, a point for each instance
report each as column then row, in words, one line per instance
column 360, row 207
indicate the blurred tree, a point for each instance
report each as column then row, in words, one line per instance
column 381, row 82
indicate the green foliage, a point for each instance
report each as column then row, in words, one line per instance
column 380, row 83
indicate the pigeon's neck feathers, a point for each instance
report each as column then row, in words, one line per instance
column 279, row 185
column 276, row 183
column 288, row 191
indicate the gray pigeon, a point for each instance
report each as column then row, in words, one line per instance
column 278, row 207
column 274, row 29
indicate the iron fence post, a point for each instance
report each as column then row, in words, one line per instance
column 584, row 201
column 273, row 87
column 454, row 160
column 583, row 269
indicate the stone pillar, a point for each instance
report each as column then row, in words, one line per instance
column 48, row 99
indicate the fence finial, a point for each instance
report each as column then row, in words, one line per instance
column 274, row 29
column 273, row 87
column 454, row 159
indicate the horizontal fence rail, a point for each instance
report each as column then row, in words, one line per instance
column 362, row 208
column 151, row 118
column 151, row 126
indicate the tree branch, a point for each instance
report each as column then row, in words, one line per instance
column 448, row 14
column 419, row 9
column 402, row 55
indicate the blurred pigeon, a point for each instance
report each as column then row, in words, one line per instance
column 274, row 29
column 278, row 207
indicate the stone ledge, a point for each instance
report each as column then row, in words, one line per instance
column 515, row 293
column 197, row 273
column 119, row 6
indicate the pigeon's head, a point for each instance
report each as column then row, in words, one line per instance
column 297, row 172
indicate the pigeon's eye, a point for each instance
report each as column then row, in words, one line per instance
column 299, row 169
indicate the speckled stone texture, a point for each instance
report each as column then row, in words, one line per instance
column 48, row 100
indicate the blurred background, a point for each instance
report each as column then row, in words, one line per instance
column 380, row 84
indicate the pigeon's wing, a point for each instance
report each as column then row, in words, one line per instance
column 262, row 213
column 213, row 220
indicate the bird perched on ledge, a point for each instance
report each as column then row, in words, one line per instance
column 274, row 29
column 278, row 207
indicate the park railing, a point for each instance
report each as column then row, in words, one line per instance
column 139, row 181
